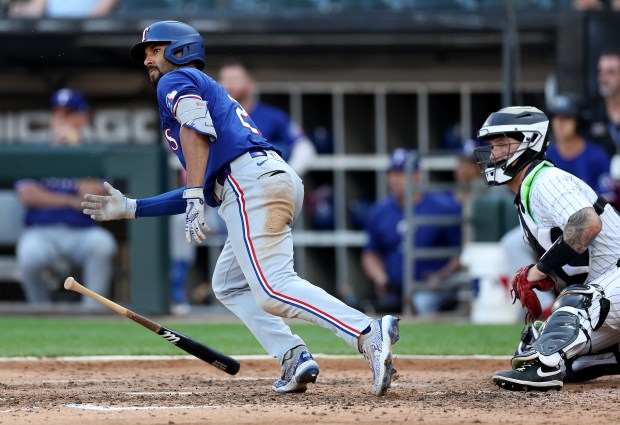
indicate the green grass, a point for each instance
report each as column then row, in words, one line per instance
column 52, row 337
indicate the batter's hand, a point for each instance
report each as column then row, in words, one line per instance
column 195, row 225
column 523, row 290
column 114, row 207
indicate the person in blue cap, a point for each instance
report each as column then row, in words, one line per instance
column 58, row 237
column 382, row 259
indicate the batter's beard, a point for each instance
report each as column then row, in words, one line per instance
column 155, row 81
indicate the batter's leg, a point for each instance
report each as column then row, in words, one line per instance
column 231, row 289
column 260, row 203
column 259, row 219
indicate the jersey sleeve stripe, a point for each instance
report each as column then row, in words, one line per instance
column 190, row 96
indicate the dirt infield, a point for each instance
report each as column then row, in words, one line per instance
column 190, row 392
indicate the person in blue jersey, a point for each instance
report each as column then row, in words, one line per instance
column 571, row 151
column 382, row 258
column 57, row 234
column 277, row 127
column 231, row 165
column 275, row 124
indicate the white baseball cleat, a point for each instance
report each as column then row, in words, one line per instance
column 298, row 370
column 376, row 346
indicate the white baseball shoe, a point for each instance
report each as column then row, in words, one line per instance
column 376, row 346
column 298, row 370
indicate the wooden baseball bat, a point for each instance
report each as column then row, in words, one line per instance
column 193, row 347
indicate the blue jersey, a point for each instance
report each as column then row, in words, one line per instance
column 591, row 166
column 386, row 225
column 236, row 133
column 277, row 127
column 52, row 216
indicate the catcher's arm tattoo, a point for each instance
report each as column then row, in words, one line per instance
column 581, row 229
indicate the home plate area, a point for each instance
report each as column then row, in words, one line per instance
column 189, row 391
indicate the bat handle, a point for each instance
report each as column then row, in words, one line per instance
column 72, row 285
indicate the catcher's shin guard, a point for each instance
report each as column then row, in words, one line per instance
column 568, row 328
column 561, row 335
column 582, row 297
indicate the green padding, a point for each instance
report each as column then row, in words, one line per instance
column 492, row 217
column 511, row 217
column 143, row 168
column 487, row 219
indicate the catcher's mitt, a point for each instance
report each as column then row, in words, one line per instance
column 522, row 290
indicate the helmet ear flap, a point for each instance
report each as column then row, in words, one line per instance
column 181, row 38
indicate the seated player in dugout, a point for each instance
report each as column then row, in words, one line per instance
column 58, row 236
column 383, row 255
column 231, row 165
column 575, row 234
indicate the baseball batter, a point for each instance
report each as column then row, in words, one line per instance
column 231, row 165
column 576, row 235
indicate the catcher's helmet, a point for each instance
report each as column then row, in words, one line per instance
column 526, row 124
column 182, row 38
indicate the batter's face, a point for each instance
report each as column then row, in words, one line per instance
column 156, row 64
column 237, row 82
column 609, row 75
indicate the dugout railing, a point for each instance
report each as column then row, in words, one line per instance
column 485, row 217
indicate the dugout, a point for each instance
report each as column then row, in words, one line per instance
column 141, row 170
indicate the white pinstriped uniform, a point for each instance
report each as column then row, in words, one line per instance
column 254, row 274
column 554, row 196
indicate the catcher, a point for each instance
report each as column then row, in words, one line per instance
column 576, row 236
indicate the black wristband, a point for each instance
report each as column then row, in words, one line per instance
column 557, row 256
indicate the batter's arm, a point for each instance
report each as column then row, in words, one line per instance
column 196, row 152
column 195, row 147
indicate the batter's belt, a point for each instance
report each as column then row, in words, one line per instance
column 218, row 188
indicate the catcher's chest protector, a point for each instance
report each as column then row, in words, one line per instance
column 541, row 238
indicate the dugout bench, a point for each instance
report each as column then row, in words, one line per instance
column 143, row 171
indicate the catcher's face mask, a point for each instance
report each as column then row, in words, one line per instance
column 518, row 136
column 493, row 159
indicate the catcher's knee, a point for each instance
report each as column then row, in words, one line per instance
column 562, row 332
column 582, row 297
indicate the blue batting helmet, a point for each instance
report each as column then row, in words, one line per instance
column 182, row 38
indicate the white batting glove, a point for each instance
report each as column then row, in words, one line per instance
column 195, row 225
column 114, row 207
